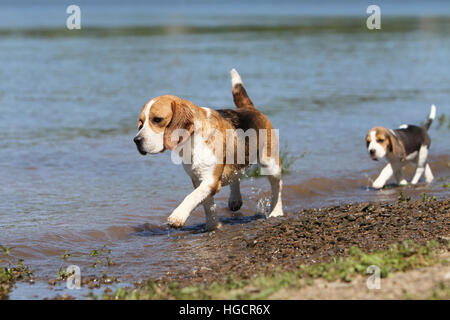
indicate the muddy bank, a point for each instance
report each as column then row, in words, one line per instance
column 246, row 247
column 314, row 235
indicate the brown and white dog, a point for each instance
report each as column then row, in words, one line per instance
column 408, row 143
column 206, row 161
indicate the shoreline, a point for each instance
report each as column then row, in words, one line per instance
column 272, row 246
column 318, row 235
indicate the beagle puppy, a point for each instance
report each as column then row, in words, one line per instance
column 195, row 134
column 408, row 143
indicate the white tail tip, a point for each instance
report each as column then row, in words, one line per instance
column 432, row 112
column 235, row 77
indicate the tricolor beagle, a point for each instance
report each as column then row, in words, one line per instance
column 408, row 143
column 207, row 162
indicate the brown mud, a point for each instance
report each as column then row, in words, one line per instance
column 312, row 236
column 245, row 247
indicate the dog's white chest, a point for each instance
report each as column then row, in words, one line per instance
column 202, row 160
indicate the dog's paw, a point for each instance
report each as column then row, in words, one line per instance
column 403, row 183
column 276, row 213
column 212, row 225
column 175, row 221
column 234, row 205
column 377, row 185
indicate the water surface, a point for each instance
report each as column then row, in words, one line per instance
column 71, row 178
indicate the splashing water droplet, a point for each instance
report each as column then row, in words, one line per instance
column 263, row 206
column 369, row 181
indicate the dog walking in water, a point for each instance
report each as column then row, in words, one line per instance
column 207, row 163
column 407, row 143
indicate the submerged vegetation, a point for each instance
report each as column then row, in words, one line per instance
column 427, row 198
column 401, row 257
column 403, row 198
column 11, row 271
column 443, row 121
column 286, row 159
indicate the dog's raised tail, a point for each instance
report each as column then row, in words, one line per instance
column 240, row 96
column 431, row 117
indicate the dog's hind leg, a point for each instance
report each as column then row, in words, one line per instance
column 428, row 174
column 421, row 161
column 235, row 199
column 273, row 172
column 276, row 206
column 270, row 165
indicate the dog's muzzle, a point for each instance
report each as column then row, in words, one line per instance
column 372, row 154
column 139, row 140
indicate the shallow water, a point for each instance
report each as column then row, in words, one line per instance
column 71, row 178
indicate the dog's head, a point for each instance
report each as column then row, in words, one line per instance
column 381, row 142
column 163, row 123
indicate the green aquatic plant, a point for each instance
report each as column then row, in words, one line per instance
column 103, row 253
column 65, row 255
column 403, row 198
column 442, row 120
column 286, row 159
column 98, row 254
column 10, row 273
column 6, row 250
column 426, row 198
column 62, row 273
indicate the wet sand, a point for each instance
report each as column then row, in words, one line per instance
column 314, row 235
column 246, row 246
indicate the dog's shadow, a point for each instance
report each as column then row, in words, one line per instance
column 388, row 186
column 150, row 230
column 395, row 186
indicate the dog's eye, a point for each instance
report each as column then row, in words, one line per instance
column 140, row 125
column 157, row 120
column 380, row 140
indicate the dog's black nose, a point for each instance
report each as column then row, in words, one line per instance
column 372, row 152
column 138, row 139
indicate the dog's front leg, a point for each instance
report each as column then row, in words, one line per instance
column 398, row 173
column 210, row 208
column 179, row 216
column 212, row 222
column 384, row 176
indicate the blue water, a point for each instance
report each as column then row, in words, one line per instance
column 70, row 175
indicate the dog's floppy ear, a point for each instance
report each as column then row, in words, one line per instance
column 395, row 147
column 181, row 126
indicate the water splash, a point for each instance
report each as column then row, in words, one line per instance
column 263, row 206
column 369, row 181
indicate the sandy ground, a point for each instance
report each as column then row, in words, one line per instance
column 425, row 283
